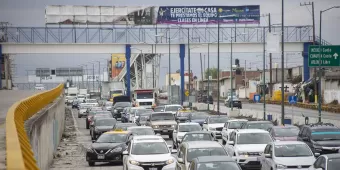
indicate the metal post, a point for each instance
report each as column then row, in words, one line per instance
column 264, row 73
column 218, row 62
column 319, row 89
column 208, row 76
column 189, row 68
column 282, row 66
column 153, row 68
column 93, row 77
column 0, row 67
column 82, row 77
column 245, row 78
column 231, row 74
column 270, row 61
column 169, row 77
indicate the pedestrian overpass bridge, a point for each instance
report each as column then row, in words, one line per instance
column 144, row 46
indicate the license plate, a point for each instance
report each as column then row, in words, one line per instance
column 152, row 168
column 101, row 156
column 165, row 130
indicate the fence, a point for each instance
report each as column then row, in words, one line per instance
column 18, row 148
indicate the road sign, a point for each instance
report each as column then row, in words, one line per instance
column 330, row 56
column 292, row 99
column 187, row 93
column 257, row 98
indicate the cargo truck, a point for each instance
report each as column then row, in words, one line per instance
column 144, row 98
column 112, row 89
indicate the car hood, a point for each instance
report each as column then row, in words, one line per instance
column 119, row 108
column 251, row 147
column 104, row 128
column 329, row 143
column 182, row 118
column 292, row 138
column 289, row 161
column 144, row 100
column 164, row 122
column 216, row 125
column 105, row 145
column 151, row 158
column 198, row 120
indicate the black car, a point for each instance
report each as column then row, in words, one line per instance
column 323, row 138
column 108, row 147
column 124, row 126
column 75, row 104
column 237, row 103
column 198, row 117
column 142, row 118
column 182, row 116
column 217, row 162
column 264, row 125
column 102, row 125
column 118, row 108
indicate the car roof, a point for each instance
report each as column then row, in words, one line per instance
column 237, row 120
column 173, row 105
column 263, row 121
column 202, row 144
column 198, row 132
column 207, row 159
column 189, row 123
column 330, row 156
column 161, row 113
column 285, row 127
column 126, row 124
column 139, row 127
column 287, row 142
column 102, row 118
column 251, row 131
column 214, row 116
column 147, row 138
column 116, row 132
column 136, row 108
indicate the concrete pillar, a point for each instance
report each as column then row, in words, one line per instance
column 182, row 56
column 128, row 56
column 0, row 66
column 306, row 73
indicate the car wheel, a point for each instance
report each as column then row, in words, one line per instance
column 92, row 163
column 87, row 125
column 79, row 116
column 224, row 142
column 170, row 135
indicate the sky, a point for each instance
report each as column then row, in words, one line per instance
column 32, row 13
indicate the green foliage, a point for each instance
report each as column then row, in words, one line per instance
column 212, row 72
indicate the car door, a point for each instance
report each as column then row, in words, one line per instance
column 230, row 148
column 180, row 154
column 262, row 158
column 269, row 162
column 319, row 163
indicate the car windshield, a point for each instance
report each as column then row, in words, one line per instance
column 218, row 166
column 197, row 137
column 91, row 113
column 197, row 152
column 91, row 101
column 146, row 95
column 111, row 138
column 263, row 126
column 117, row 91
column 218, row 119
column 143, row 118
column 162, row 116
column 292, row 150
column 158, row 109
column 333, row 164
column 81, row 96
column 253, row 138
column 142, row 131
column 108, row 104
column 84, row 106
column 122, row 104
column 183, row 114
column 124, row 126
column 195, row 116
column 105, row 122
column 235, row 124
column 142, row 111
column 149, row 148
column 189, row 128
column 172, row 108
column 324, row 135
column 286, row 132
column 96, row 108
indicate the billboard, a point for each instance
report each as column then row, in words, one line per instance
column 209, row 14
column 118, row 63
column 149, row 15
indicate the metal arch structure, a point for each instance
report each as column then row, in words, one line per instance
column 135, row 35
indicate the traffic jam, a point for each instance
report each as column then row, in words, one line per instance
column 169, row 137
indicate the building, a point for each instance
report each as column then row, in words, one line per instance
column 225, row 85
column 176, row 80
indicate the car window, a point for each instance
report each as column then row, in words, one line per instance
column 197, row 152
column 266, row 150
column 333, row 164
column 197, row 137
column 253, row 138
column 158, row 109
column 292, row 150
column 111, row 138
column 218, row 119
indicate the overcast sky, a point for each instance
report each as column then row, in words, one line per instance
column 32, row 13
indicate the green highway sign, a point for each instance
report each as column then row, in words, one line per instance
column 330, row 56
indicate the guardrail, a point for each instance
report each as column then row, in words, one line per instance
column 18, row 148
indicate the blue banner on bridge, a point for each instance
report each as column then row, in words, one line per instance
column 208, row 14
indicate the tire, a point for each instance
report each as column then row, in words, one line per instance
column 170, row 136
column 224, row 142
column 92, row 163
column 87, row 124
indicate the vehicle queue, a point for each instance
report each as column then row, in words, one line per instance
column 134, row 136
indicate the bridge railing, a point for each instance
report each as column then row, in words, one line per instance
column 18, row 148
column 133, row 35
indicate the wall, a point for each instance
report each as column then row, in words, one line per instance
column 225, row 86
column 45, row 130
column 288, row 85
column 331, row 95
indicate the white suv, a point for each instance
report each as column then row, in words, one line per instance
column 182, row 129
column 148, row 152
column 246, row 145
column 230, row 126
column 215, row 124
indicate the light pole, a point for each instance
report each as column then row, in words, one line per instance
column 82, row 75
column 282, row 64
column 92, row 76
column 320, row 73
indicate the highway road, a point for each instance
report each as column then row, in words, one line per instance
column 289, row 110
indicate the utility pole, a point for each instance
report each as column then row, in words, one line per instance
column 264, row 74
column 314, row 43
column 201, row 66
column 245, row 78
column 218, row 62
column 270, row 61
column 189, row 68
column 208, row 74
column 282, row 64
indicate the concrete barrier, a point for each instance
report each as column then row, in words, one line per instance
column 45, row 130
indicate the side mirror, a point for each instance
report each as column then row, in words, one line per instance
column 316, row 154
column 205, row 123
column 230, row 142
column 180, row 160
column 305, row 138
column 93, row 141
column 267, row 156
column 125, row 152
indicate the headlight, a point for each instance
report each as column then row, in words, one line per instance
column 118, row 149
column 155, row 126
column 170, row 161
column 134, row 162
column 211, row 128
column 242, row 153
column 90, row 150
column 115, row 111
column 173, row 126
column 279, row 166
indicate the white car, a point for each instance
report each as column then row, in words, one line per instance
column 287, row 155
column 149, row 152
column 246, row 145
column 182, row 129
column 132, row 113
column 215, row 124
column 326, row 162
column 173, row 108
column 188, row 151
column 82, row 109
column 108, row 106
column 230, row 126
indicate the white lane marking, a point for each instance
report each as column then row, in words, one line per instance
column 76, row 124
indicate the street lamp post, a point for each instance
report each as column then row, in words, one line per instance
column 320, row 71
column 218, row 62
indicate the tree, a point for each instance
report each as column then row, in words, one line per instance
column 212, row 71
